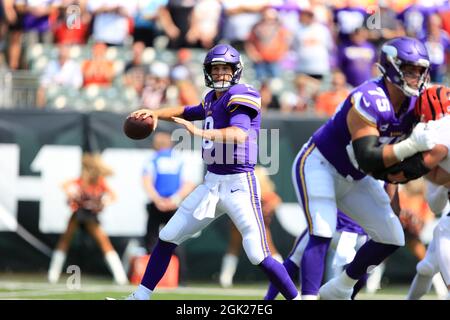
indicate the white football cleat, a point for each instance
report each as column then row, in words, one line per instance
column 129, row 297
column 135, row 296
column 331, row 291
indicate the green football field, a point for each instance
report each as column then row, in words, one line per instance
column 34, row 287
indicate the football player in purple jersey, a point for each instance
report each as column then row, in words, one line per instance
column 232, row 119
column 339, row 166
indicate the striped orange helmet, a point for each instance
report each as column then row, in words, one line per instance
column 433, row 103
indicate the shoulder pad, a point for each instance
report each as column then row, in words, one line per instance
column 371, row 103
column 243, row 95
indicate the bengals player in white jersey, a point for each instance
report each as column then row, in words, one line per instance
column 434, row 108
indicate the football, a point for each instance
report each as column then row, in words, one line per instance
column 138, row 128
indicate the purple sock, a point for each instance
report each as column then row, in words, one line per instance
column 292, row 270
column 313, row 264
column 279, row 277
column 158, row 263
column 370, row 254
column 359, row 285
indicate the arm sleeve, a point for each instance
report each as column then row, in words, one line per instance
column 241, row 118
column 192, row 113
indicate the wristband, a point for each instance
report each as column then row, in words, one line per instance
column 404, row 149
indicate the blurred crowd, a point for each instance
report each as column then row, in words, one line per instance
column 304, row 55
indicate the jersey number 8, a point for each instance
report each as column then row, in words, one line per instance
column 209, row 124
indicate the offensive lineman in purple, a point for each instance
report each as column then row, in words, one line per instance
column 365, row 136
column 392, row 128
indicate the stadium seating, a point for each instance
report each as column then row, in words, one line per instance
column 118, row 98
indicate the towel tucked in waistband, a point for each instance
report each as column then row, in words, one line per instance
column 206, row 208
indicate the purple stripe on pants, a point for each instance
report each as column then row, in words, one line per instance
column 256, row 204
column 300, row 185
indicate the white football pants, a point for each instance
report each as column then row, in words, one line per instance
column 322, row 190
column 238, row 195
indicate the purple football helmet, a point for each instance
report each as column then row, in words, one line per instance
column 222, row 54
column 403, row 51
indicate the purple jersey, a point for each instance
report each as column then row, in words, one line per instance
column 437, row 50
column 414, row 19
column 345, row 223
column 370, row 100
column 348, row 20
column 229, row 158
column 356, row 61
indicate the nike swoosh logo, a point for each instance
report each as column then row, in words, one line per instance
column 233, row 191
